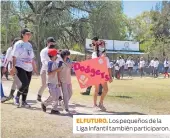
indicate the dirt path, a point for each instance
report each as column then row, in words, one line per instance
column 33, row 123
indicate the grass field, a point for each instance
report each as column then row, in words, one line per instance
column 145, row 93
column 125, row 97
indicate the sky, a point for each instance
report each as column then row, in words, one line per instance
column 134, row 8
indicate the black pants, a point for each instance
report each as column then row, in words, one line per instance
column 141, row 72
column 156, row 72
column 152, row 70
column 122, row 71
column 25, row 78
column 116, row 74
column 166, row 69
column 130, row 71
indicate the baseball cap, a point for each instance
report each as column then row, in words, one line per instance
column 50, row 39
column 52, row 52
column 24, row 31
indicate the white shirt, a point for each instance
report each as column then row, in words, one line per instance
column 121, row 62
column 166, row 63
column 24, row 54
column 59, row 59
column 116, row 67
column 94, row 55
column 8, row 56
column 142, row 64
column 156, row 64
column 44, row 58
column 152, row 63
column 130, row 63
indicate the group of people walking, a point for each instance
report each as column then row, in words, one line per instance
column 55, row 72
column 121, row 65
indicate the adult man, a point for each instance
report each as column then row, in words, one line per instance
column 44, row 60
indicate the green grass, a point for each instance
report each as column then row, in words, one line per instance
column 142, row 92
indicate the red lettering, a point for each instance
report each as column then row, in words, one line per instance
column 76, row 66
column 87, row 70
column 93, row 72
column 97, row 72
column 82, row 68
column 107, row 78
column 102, row 74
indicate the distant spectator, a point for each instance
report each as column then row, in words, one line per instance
column 166, row 67
column 152, row 66
column 141, row 66
column 156, row 64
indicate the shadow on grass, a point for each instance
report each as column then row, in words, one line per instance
column 128, row 97
column 119, row 96
column 74, row 105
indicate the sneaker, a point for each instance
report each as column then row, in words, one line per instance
column 43, row 107
column 17, row 103
column 7, row 98
column 101, row 106
column 55, row 112
column 25, row 104
column 39, row 98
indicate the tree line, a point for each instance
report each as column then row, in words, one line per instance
column 71, row 22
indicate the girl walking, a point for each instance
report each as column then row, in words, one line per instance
column 99, row 50
column 23, row 65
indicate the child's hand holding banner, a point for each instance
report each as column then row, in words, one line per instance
column 92, row 72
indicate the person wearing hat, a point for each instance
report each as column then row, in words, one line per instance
column 52, row 82
column 23, row 65
column 16, row 82
column 44, row 60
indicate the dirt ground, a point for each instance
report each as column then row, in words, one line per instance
column 126, row 97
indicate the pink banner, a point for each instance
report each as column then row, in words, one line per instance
column 91, row 72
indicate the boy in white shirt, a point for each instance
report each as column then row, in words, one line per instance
column 52, row 83
column 156, row 64
column 166, row 67
column 44, row 60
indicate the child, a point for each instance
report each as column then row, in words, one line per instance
column 52, row 83
column 65, row 78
